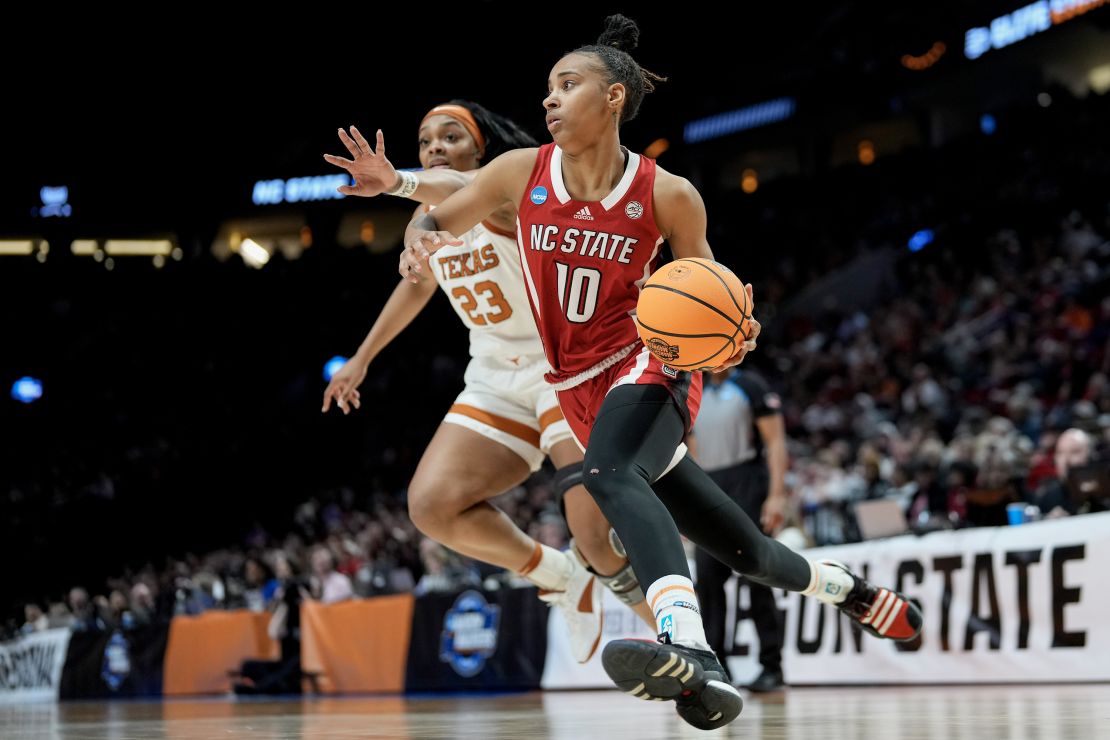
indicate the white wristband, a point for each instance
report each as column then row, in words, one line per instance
column 408, row 185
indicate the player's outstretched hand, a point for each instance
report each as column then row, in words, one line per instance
column 372, row 172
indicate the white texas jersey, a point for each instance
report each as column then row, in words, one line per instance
column 485, row 283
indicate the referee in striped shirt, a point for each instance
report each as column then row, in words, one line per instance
column 740, row 441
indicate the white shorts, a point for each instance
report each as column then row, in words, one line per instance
column 513, row 406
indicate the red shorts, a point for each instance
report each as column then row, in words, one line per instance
column 581, row 403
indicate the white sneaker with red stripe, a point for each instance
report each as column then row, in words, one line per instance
column 580, row 604
column 880, row 611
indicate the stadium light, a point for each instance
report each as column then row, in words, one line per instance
column 27, row 389
column 253, row 253
column 332, row 366
column 742, row 119
column 749, row 181
column 138, row 247
column 1022, row 23
column 16, row 247
column 920, row 240
column 84, row 247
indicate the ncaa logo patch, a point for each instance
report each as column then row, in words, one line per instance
column 469, row 634
column 538, row 195
column 634, row 209
column 670, row 371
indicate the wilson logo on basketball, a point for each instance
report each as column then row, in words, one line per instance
column 679, row 272
column 634, row 209
column 662, row 350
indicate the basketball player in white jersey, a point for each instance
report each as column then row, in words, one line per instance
column 507, row 418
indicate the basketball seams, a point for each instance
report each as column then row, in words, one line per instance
column 730, row 347
column 730, row 342
column 726, row 337
column 694, row 298
column 744, row 313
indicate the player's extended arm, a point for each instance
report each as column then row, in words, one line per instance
column 404, row 305
column 374, row 174
column 499, row 183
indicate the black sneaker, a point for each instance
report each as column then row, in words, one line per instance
column 660, row 671
column 768, row 681
column 882, row 612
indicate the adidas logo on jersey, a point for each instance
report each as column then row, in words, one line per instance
column 584, row 214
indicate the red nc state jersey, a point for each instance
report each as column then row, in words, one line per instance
column 585, row 261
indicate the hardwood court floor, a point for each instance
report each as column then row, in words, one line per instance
column 1075, row 712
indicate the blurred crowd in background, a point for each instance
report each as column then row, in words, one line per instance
column 972, row 372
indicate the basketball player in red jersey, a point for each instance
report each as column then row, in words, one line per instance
column 591, row 217
column 507, row 419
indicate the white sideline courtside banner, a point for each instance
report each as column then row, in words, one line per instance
column 31, row 666
column 1029, row 603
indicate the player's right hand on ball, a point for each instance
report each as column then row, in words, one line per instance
column 754, row 328
column 343, row 388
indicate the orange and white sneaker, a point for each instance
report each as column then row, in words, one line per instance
column 580, row 603
column 880, row 611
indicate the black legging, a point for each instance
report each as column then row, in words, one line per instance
column 633, row 440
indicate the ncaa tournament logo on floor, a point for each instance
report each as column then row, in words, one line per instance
column 539, row 195
column 469, row 632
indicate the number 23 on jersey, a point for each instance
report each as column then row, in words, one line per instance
column 492, row 309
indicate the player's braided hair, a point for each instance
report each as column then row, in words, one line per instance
column 621, row 35
column 501, row 133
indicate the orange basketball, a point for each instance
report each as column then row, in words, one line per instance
column 693, row 314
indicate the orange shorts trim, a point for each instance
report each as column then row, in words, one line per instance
column 522, row 432
column 549, row 417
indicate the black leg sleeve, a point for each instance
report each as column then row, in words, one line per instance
column 705, row 514
column 633, row 440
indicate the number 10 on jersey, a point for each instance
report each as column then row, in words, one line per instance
column 578, row 290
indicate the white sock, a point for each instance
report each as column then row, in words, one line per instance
column 675, row 605
column 549, row 569
column 828, row 583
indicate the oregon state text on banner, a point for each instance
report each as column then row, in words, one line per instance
column 31, row 666
column 1001, row 604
